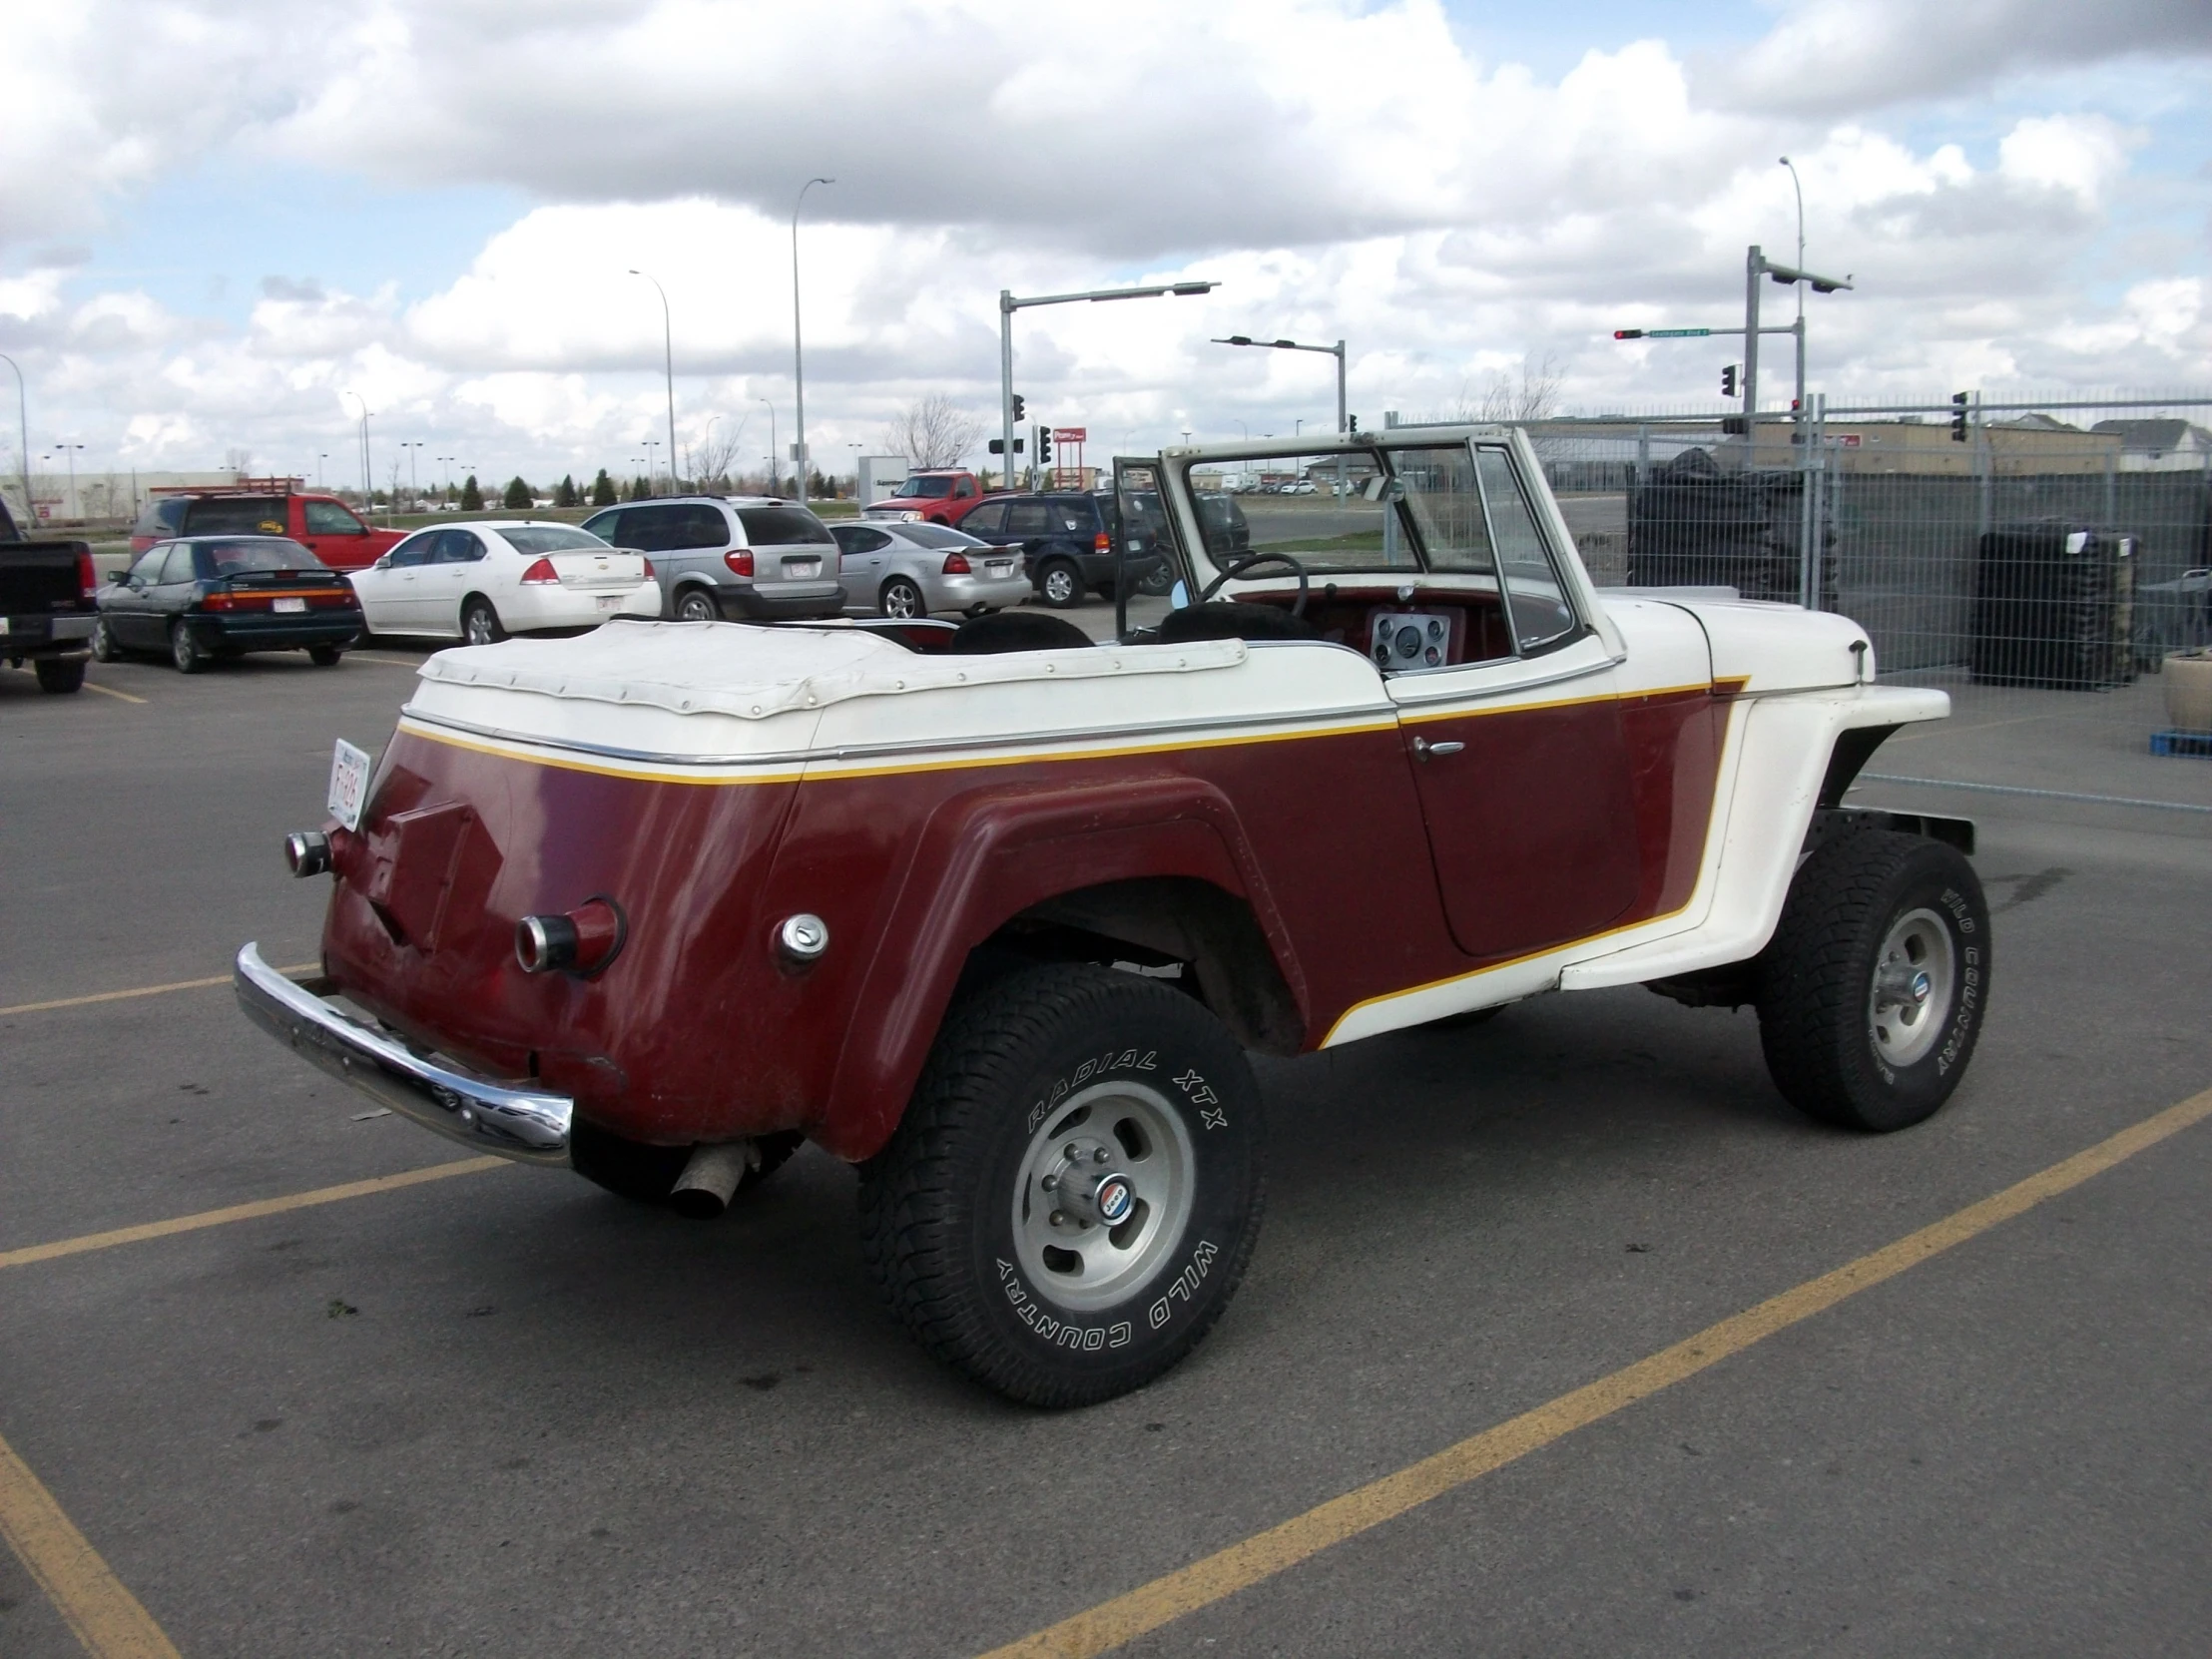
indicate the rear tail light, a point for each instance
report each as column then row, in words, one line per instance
column 650, row 574
column 956, row 564
column 541, row 575
column 582, row 941
column 1102, row 543
column 88, row 575
column 740, row 561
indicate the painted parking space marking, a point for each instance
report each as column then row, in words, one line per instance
column 110, row 691
column 109, row 1620
column 1218, row 1576
column 134, row 991
column 78, row 1246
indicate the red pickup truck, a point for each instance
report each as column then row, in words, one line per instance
column 940, row 495
column 323, row 524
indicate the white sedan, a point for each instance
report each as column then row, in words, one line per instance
column 482, row 581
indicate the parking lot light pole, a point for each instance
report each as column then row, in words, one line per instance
column 413, row 447
column 23, row 416
column 1011, row 303
column 668, row 367
column 799, row 358
column 367, row 506
column 1798, row 403
column 69, row 454
column 1337, row 351
column 771, row 445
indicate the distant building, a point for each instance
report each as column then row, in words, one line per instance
column 2159, row 445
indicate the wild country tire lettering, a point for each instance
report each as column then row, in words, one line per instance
column 1091, row 1338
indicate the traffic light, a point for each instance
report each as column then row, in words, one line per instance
column 1020, row 408
column 1728, row 379
column 1044, row 447
column 1958, row 418
column 1628, row 334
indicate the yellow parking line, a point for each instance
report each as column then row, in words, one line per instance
column 242, row 1212
column 138, row 990
column 393, row 662
column 110, row 691
column 106, row 1618
column 1241, row 1566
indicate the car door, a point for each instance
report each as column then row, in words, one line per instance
column 334, row 535
column 453, row 570
column 129, row 605
column 861, row 550
column 387, row 589
column 167, row 599
column 1520, row 757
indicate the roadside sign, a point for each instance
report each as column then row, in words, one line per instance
column 1071, row 434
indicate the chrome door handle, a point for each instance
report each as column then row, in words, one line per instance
column 1424, row 749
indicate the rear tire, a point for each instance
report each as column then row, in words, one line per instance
column 184, row 651
column 901, row 599
column 56, row 675
column 1873, row 991
column 326, row 656
column 1060, row 585
column 698, row 605
column 480, row 622
column 1045, row 1091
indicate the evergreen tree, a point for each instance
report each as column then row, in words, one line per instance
column 518, row 493
column 603, row 492
column 564, row 493
column 472, row 496
column 640, row 490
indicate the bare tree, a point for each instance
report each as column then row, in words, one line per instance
column 1502, row 402
column 711, row 456
column 239, row 459
column 934, row 431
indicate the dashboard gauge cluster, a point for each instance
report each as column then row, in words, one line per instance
column 1403, row 640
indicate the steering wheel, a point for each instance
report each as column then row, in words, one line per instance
column 1236, row 567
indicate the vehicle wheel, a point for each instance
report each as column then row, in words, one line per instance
column 698, row 605
column 58, row 676
column 326, row 656
column 647, row 1174
column 901, row 599
column 1157, row 580
column 103, row 648
column 1061, row 584
column 184, row 651
column 1111, row 1102
column 1873, row 989
column 480, row 623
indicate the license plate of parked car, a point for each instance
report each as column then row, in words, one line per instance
column 287, row 605
column 801, row 568
column 1000, row 567
column 608, row 601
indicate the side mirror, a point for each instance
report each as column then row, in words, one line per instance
column 120, row 577
column 383, row 564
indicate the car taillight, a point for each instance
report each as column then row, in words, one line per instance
column 650, row 574
column 541, row 575
column 88, row 576
column 740, row 561
column 1102, row 543
column 956, row 564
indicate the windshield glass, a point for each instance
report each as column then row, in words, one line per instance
column 928, row 487
column 939, row 535
column 239, row 558
column 552, row 538
column 781, row 526
column 1406, row 509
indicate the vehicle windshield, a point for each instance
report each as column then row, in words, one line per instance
column 243, row 558
column 931, row 488
column 1414, row 508
column 939, row 535
column 781, row 526
column 534, row 539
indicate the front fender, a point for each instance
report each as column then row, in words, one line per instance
column 982, row 858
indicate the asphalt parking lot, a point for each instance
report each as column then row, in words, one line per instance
column 499, row 1411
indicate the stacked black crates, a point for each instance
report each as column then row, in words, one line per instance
column 1690, row 524
column 2054, row 607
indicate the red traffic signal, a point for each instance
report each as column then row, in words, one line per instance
column 1628, row 334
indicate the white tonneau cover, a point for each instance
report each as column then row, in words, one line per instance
column 751, row 673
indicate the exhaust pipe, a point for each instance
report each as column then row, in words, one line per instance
column 712, row 1178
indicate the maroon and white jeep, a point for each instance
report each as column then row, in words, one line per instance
column 995, row 913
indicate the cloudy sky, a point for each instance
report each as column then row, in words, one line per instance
column 219, row 220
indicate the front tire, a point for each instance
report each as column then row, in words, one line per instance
column 1873, row 991
column 184, row 651
column 1111, row 1102
column 103, row 648
column 480, row 622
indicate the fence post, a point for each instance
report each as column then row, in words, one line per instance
column 1984, row 466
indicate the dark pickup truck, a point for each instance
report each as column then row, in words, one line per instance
column 47, row 590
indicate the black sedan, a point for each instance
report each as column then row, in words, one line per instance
column 202, row 597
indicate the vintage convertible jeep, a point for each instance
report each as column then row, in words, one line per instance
column 995, row 913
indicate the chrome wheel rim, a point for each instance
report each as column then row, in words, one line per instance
column 180, row 649
column 1916, row 976
column 902, row 601
column 103, row 640
column 1115, row 1165
column 480, row 626
column 697, row 607
column 1059, row 586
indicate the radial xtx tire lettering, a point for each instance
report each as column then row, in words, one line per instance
column 1074, row 1191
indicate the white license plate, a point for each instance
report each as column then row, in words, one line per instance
column 1000, row 567
column 610, row 601
column 287, row 604
column 799, row 570
column 349, row 769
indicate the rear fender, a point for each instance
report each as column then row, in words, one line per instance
column 981, row 859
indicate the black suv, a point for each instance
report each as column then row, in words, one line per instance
column 1069, row 542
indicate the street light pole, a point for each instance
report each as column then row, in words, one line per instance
column 771, row 472
column 368, row 505
column 415, row 490
column 69, row 454
column 1337, row 351
column 668, row 365
column 799, row 358
column 23, row 416
column 1008, row 304
column 1799, row 403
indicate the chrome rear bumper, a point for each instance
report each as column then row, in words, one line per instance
column 526, row 1125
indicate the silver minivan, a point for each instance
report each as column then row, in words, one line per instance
column 754, row 558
